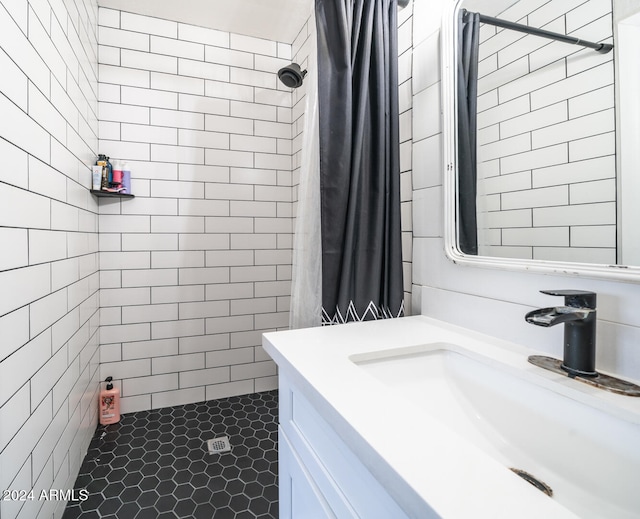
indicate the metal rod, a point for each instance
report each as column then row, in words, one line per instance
column 603, row 48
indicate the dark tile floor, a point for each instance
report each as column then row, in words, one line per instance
column 155, row 464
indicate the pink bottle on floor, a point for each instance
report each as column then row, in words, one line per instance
column 109, row 404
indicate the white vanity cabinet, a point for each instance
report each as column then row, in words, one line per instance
column 367, row 428
column 319, row 476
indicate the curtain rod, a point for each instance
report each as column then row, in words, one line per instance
column 603, row 48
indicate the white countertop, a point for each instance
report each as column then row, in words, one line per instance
column 417, row 458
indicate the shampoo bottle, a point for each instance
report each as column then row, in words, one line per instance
column 109, row 404
column 126, row 178
column 110, row 169
column 117, row 175
column 96, row 178
column 104, row 181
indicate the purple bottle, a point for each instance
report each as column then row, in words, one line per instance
column 126, row 178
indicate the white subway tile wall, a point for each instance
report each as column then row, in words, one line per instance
column 406, row 85
column 499, row 298
column 49, row 319
column 546, row 149
column 190, row 267
column 192, row 270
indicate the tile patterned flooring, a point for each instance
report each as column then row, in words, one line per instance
column 155, row 464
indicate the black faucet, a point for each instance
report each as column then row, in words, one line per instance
column 579, row 318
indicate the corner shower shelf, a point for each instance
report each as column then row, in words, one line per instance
column 109, row 194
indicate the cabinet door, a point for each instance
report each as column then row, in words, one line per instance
column 299, row 496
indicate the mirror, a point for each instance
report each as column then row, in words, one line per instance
column 542, row 149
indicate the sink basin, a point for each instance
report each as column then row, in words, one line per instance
column 589, row 458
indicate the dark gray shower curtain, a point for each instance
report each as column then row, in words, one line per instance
column 359, row 160
column 468, row 45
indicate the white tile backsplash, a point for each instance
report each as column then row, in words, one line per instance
column 180, row 397
column 150, row 313
column 500, row 298
column 574, row 129
column 145, row 24
column 148, row 278
column 549, row 116
column 148, row 61
column 146, row 97
column 124, row 76
column 177, row 119
column 16, row 255
column 124, row 296
column 584, row 214
column 24, row 131
column 204, row 343
column 229, row 57
column 134, row 242
column 579, row 171
column 23, row 54
column 177, row 83
column 253, row 45
column 124, row 333
column 185, row 362
column 149, row 349
column 572, row 86
column 123, row 38
column 221, row 90
column 535, row 159
column 591, row 102
column 424, row 101
column 181, row 328
column 593, row 192
column 193, row 33
column 151, row 384
column 176, row 47
column 208, row 104
column 204, row 309
column 593, row 236
column 201, row 69
column 13, row 415
column 150, row 134
column 204, row 207
column 109, row 18
column 174, row 259
column 178, row 154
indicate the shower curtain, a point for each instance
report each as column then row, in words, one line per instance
column 468, row 48
column 359, row 160
column 306, row 304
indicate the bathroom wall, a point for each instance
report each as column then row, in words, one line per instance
column 300, row 49
column 405, row 101
column 48, row 248
column 492, row 301
column 198, row 265
column 546, row 139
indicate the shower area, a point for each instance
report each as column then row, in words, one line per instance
column 198, row 265
column 167, row 292
column 221, row 131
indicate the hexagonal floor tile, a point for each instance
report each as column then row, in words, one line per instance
column 155, row 464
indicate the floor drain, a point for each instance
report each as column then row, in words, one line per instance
column 543, row 487
column 217, row 445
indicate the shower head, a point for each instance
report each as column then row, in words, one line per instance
column 291, row 75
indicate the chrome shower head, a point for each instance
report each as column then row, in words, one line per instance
column 291, row 75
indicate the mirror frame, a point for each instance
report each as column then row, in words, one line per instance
column 449, row 51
